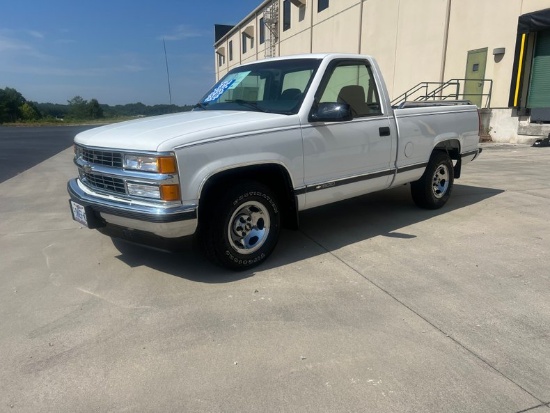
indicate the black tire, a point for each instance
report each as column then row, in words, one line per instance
column 241, row 230
column 434, row 188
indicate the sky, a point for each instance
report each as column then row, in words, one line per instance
column 112, row 50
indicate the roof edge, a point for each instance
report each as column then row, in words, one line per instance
column 237, row 26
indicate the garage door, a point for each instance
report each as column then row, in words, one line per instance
column 539, row 88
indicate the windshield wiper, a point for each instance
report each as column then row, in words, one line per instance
column 200, row 106
column 247, row 103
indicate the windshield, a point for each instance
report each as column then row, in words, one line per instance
column 272, row 86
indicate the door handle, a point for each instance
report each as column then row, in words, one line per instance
column 385, row 131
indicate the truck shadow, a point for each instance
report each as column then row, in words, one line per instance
column 322, row 230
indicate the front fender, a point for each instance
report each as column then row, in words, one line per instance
column 200, row 162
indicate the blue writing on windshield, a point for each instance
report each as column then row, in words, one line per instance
column 222, row 87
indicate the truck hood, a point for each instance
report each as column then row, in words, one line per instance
column 164, row 133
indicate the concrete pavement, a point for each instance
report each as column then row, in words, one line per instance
column 373, row 306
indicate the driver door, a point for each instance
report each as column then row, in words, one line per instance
column 348, row 158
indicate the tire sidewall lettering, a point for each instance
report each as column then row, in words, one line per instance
column 241, row 261
column 244, row 197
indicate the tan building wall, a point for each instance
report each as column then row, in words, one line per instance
column 382, row 43
column 297, row 44
column 405, row 54
column 337, row 29
column 528, row 6
column 255, row 50
column 498, row 30
column 413, row 41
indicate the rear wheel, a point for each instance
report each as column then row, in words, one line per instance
column 434, row 188
column 241, row 230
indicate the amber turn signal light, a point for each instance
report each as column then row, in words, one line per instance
column 166, row 164
column 170, row 192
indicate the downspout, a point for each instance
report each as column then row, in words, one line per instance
column 256, row 34
column 311, row 29
column 240, row 45
column 445, row 42
column 396, row 46
column 360, row 27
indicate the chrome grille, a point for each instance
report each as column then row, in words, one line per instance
column 104, row 183
column 99, row 157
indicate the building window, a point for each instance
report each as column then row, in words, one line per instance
column 221, row 59
column 322, row 5
column 244, row 38
column 301, row 13
column 286, row 15
column 230, row 50
column 262, row 31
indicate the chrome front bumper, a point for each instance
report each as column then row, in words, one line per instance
column 163, row 221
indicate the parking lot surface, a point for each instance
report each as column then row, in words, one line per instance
column 23, row 147
column 373, row 305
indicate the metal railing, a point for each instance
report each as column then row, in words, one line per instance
column 454, row 89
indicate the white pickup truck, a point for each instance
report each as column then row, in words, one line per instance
column 270, row 139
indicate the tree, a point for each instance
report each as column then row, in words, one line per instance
column 10, row 103
column 52, row 110
column 29, row 112
column 78, row 108
column 94, row 109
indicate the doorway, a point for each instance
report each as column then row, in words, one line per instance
column 475, row 75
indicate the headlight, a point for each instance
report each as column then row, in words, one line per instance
column 162, row 192
column 145, row 191
column 158, row 164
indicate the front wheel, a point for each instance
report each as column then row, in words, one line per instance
column 433, row 189
column 241, row 230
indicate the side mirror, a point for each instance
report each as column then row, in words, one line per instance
column 331, row 112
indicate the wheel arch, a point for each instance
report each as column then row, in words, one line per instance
column 451, row 146
column 453, row 149
column 273, row 175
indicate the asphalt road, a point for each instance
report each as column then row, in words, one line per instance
column 372, row 306
column 24, row 147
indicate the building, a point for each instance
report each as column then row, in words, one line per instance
column 495, row 53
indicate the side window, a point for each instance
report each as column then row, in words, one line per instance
column 353, row 84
